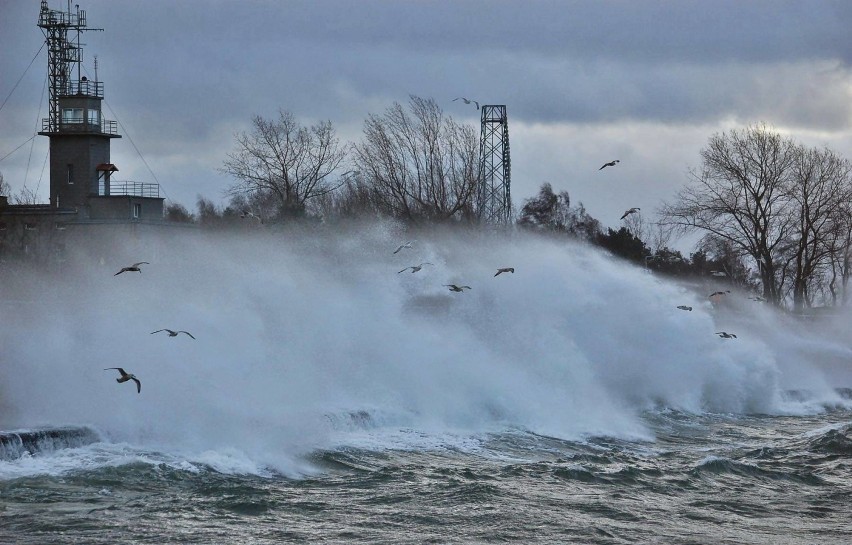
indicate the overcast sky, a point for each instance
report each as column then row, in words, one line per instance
column 646, row 82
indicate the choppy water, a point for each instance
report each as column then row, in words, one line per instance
column 704, row 479
column 330, row 399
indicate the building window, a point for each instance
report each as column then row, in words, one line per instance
column 72, row 115
column 70, row 174
column 137, row 210
column 94, row 117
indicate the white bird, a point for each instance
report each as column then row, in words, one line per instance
column 630, row 211
column 505, row 270
column 467, row 101
column 684, row 307
column 716, row 293
column 132, row 268
column 405, row 245
column 758, row 298
column 250, row 214
column 125, row 376
column 173, row 333
column 453, row 287
column 414, row 268
column 610, row 164
column 726, row 335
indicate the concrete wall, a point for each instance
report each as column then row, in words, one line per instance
column 84, row 152
column 120, row 207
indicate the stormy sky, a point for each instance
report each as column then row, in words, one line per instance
column 646, row 82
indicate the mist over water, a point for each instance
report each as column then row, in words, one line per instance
column 309, row 341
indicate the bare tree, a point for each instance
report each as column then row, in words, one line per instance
column 354, row 199
column 740, row 195
column 25, row 196
column 726, row 260
column 841, row 265
column 420, row 164
column 177, row 213
column 286, row 160
column 820, row 190
column 547, row 211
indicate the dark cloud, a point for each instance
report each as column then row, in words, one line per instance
column 695, row 31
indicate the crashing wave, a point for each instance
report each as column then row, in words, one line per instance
column 19, row 443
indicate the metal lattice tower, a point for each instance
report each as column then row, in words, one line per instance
column 495, row 200
column 63, row 56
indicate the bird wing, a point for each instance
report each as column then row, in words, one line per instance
column 625, row 215
column 468, row 287
column 403, row 270
column 119, row 369
column 477, row 104
column 121, row 271
column 603, row 167
column 141, row 263
column 138, row 384
column 498, row 272
column 159, row 330
column 187, row 332
column 398, row 249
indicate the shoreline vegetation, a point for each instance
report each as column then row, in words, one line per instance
column 772, row 217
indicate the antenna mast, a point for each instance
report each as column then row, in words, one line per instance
column 63, row 57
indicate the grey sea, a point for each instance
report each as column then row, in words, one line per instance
column 714, row 478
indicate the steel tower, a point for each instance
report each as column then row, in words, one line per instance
column 494, row 198
column 63, row 56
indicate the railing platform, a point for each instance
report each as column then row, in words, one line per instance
column 127, row 189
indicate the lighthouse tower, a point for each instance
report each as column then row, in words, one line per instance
column 80, row 166
column 86, row 202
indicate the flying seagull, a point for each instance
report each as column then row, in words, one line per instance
column 715, row 293
column 506, row 270
column 132, row 268
column 414, row 268
column 610, row 164
column 467, row 101
column 726, row 335
column 453, row 287
column 401, row 246
column 630, row 211
column 173, row 333
column 684, row 307
column 125, row 376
